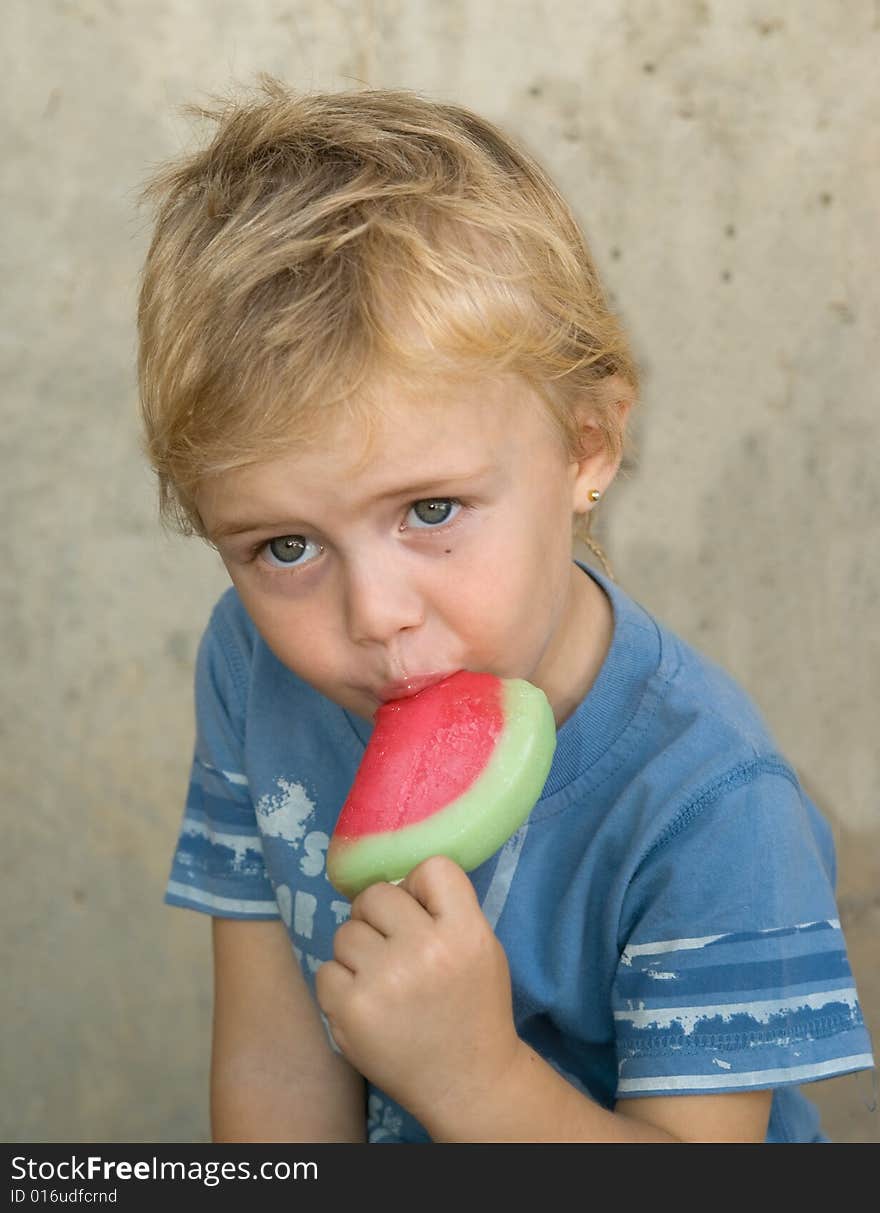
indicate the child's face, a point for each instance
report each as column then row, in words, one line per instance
column 448, row 547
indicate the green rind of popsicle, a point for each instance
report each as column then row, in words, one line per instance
column 477, row 822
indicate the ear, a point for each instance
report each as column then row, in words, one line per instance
column 602, row 426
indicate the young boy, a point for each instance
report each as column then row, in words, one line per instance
column 379, row 374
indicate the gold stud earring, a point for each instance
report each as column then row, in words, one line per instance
column 595, row 494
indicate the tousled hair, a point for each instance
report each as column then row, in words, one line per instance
column 321, row 239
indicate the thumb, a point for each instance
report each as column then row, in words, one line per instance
column 442, row 887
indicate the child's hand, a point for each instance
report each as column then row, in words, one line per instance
column 418, row 995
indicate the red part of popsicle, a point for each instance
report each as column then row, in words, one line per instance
column 425, row 751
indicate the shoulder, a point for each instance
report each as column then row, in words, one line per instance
column 713, row 737
column 702, row 687
column 705, row 749
column 225, row 656
column 671, row 691
column 701, row 709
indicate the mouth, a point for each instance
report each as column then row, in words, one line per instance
column 405, row 688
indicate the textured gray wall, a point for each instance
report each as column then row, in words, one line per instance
column 723, row 158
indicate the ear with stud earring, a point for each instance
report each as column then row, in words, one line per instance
column 594, row 495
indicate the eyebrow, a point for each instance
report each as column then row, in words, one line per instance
column 227, row 528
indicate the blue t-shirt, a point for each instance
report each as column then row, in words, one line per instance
column 667, row 910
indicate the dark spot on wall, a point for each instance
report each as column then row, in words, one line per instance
column 178, row 646
column 53, row 103
column 730, row 230
column 78, row 896
column 843, row 311
column 826, row 199
column 649, row 68
column 726, row 275
column 536, row 91
column 615, row 253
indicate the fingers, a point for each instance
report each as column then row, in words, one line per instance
column 387, row 908
column 412, row 954
column 437, row 889
column 356, row 944
column 442, row 887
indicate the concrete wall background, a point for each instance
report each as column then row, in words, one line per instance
column 722, row 155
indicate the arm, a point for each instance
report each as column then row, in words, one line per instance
column 274, row 1077
column 532, row 1103
column 419, row 998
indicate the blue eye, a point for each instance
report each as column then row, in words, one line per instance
column 289, row 550
column 433, row 511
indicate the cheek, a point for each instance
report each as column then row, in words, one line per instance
column 530, row 582
column 507, row 588
column 295, row 632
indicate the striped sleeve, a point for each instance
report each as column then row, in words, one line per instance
column 735, row 973
column 218, row 865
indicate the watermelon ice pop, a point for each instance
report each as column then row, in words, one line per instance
column 454, row 770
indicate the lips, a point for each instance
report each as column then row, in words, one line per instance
column 405, row 688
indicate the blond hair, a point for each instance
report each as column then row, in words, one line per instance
column 322, row 238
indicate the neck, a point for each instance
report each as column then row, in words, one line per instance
column 584, row 641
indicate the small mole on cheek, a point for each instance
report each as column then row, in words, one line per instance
column 448, row 550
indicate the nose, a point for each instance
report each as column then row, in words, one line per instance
column 381, row 600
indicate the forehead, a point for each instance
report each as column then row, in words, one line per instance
column 397, row 419
column 400, row 435
column 396, row 424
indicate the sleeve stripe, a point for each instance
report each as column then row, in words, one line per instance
column 216, row 789
column 178, row 894
column 771, row 975
column 238, row 842
column 658, row 947
column 232, row 815
column 752, row 1078
column 686, row 1018
column 229, row 776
